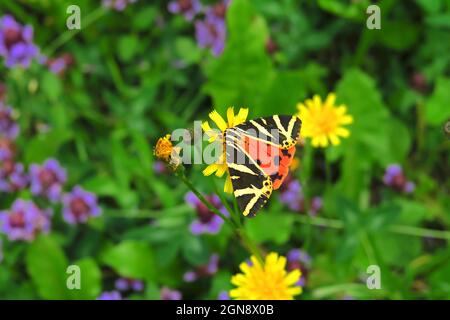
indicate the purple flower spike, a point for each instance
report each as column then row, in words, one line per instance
column 16, row 43
column 223, row 295
column 208, row 221
column 12, row 176
column 118, row 5
column 110, row 295
column 24, row 221
column 8, row 126
column 211, row 33
column 188, row 8
column 301, row 260
column 204, row 270
column 79, row 205
column 395, row 178
column 47, row 180
column 125, row 284
column 169, row 294
column 316, row 205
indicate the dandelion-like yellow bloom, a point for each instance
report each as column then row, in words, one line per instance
column 270, row 281
column 323, row 121
column 165, row 151
column 220, row 167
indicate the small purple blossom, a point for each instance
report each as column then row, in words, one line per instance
column 125, row 284
column 203, row 271
column 223, row 295
column 118, row 5
column 292, row 196
column 12, row 176
column 169, row 294
column 110, row 295
column 16, row 43
column 24, row 221
column 8, row 126
column 188, row 8
column 395, row 178
column 47, row 180
column 159, row 167
column 208, row 221
column 211, row 33
column 79, row 205
column 299, row 259
column 60, row 64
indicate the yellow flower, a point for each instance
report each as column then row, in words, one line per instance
column 266, row 282
column 165, row 150
column 323, row 121
column 220, row 166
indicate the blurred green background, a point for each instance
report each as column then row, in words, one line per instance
column 139, row 73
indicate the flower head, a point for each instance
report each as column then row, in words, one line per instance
column 110, row 295
column 16, row 43
column 118, row 5
column 292, row 196
column 203, row 271
column 220, row 166
column 47, row 180
column 207, row 221
column 211, row 33
column 12, row 176
column 165, row 151
column 59, row 64
column 7, row 149
column 126, row 284
column 79, row 205
column 269, row 281
column 169, row 294
column 24, row 221
column 300, row 260
column 323, row 122
column 8, row 125
column 396, row 179
column 188, row 8
column 223, row 295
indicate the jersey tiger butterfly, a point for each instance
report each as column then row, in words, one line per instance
column 258, row 155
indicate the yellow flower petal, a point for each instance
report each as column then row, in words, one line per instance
column 230, row 116
column 228, row 187
column 218, row 120
column 266, row 282
column 209, row 170
column 241, row 116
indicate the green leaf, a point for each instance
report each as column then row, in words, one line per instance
column 437, row 108
column 90, row 280
column 143, row 19
column 275, row 227
column 398, row 35
column 240, row 76
column 131, row 259
column 51, row 85
column 46, row 145
column 127, row 47
column 187, row 50
column 46, row 264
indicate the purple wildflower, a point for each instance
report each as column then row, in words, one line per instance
column 299, row 259
column 16, row 43
column 223, row 295
column 24, row 221
column 110, row 295
column 169, row 294
column 396, row 179
column 188, row 8
column 60, row 64
column 47, row 180
column 125, row 284
column 118, row 5
column 316, row 205
column 8, row 126
column 159, row 167
column 208, row 221
column 203, row 271
column 211, row 33
column 292, row 196
column 7, row 149
column 12, row 176
column 79, row 205
column 2, row 91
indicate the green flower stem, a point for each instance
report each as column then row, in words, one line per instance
column 398, row 229
column 69, row 34
column 238, row 230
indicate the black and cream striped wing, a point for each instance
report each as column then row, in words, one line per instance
column 251, row 186
column 280, row 130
